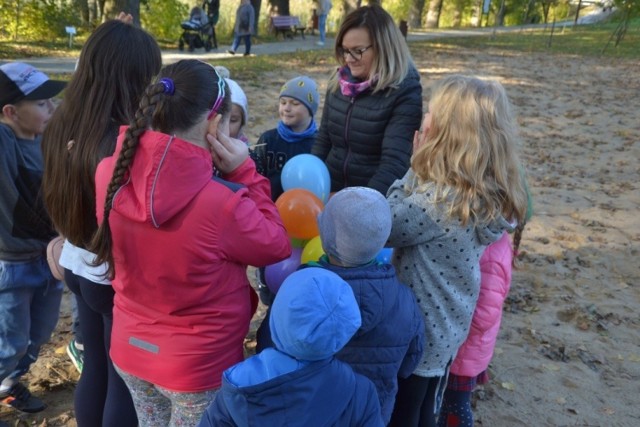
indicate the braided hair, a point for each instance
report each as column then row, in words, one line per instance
column 182, row 97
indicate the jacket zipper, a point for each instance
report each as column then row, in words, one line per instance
column 346, row 142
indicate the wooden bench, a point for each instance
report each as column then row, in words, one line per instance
column 288, row 26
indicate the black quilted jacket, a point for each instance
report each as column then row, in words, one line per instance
column 367, row 140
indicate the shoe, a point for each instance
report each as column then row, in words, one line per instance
column 319, row 43
column 76, row 355
column 231, row 52
column 20, row 398
column 247, row 54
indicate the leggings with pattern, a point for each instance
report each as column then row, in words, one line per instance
column 157, row 406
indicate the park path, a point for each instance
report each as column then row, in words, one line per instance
column 67, row 64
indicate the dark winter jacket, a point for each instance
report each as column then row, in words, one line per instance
column 271, row 157
column 336, row 396
column 367, row 140
column 390, row 340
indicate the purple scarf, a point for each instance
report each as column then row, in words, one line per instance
column 348, row 86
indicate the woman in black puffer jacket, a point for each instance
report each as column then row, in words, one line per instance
column 373, row 104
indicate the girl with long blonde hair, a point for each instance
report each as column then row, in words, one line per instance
column 463, row 191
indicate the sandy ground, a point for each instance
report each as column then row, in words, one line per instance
column 569, row 350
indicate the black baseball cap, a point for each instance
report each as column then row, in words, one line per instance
column 20, row 81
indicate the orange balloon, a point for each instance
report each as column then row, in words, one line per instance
column 299, row 211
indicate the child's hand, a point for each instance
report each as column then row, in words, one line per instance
column 125, row 17
column 227, row 153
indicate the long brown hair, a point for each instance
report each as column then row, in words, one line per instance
column 195, row 90
column 116, row 64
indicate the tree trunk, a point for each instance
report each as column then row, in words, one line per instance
column 501, row 13
column 456, row 20
column 433, row 15
column 348, row 6
column 113, row 7
column 280, row 6
column 476, row 13
column 415, row 13
column 83, row 7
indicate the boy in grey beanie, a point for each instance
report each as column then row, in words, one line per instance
column 354, row 226
column 295, row 134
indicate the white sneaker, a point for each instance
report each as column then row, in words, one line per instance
column 319, row 43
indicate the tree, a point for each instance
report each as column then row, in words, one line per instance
column 113, row 7
column 433, row 14
column 415, row 13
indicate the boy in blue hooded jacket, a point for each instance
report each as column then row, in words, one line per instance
column 300, row 382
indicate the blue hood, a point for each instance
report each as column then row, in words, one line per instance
column 314, row 315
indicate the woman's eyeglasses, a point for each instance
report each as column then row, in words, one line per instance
column 356, row 54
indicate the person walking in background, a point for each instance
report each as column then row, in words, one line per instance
column 324, row 7
column 243, row 28
column 178, row 242
column 300, row 382
column 373, row 104
column 463, row 191
column 79, row 135
column 29, row 294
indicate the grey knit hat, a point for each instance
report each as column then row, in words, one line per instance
column 354, row 225
column 305, row 90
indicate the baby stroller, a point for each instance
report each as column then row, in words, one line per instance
column 198, row 32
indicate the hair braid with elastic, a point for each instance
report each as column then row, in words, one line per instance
column 102, row 244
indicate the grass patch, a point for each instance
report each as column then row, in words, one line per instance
column 583, row 40
column 250, row 69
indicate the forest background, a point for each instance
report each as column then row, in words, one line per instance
column 46, row 20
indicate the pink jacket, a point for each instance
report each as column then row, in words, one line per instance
column 181, row 244
column 475, row 353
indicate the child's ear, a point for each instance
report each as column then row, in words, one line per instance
column 9, row 111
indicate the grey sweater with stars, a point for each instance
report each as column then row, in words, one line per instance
column 439, row 259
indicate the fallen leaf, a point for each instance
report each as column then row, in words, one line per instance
column 508, row 386
column 561, row 400
column 550, row 367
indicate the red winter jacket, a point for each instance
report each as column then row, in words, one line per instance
column 181, row 243
column 475, row 353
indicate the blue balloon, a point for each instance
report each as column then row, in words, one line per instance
column 308, row 172
column 384, row 256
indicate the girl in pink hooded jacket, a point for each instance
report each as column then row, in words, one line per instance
column 178, row 240
column 470, row 365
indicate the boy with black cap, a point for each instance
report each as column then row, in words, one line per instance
column 300, row 382
column 29, row 294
